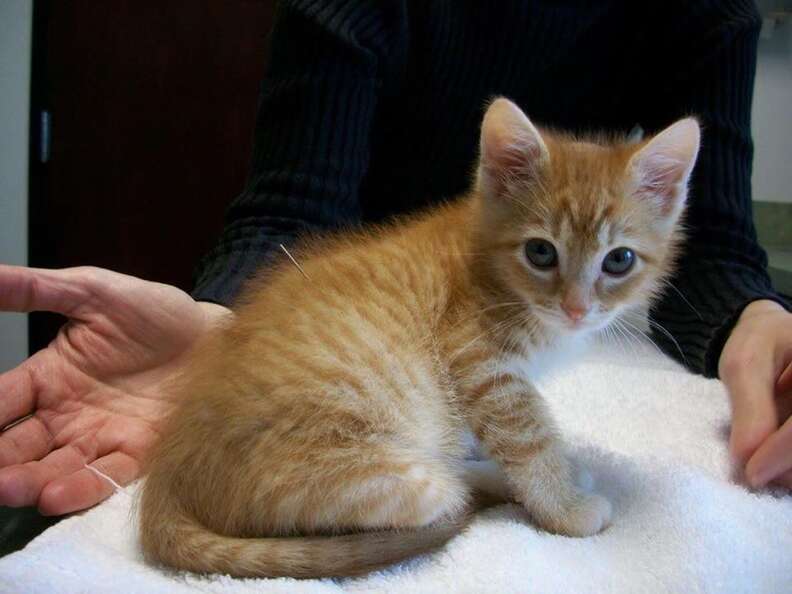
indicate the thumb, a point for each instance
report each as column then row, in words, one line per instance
column 65, row 291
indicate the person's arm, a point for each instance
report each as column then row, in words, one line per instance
column 705, row 66
column 311, row 145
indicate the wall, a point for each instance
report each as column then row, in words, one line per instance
column 16, row 17
column 772, row 111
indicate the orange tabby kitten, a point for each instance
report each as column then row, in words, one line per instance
column 320, row 433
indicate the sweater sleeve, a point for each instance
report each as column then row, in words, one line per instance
column 722, row 268
column 311, row 141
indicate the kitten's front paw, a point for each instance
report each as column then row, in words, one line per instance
column 589, row 515
column 585, row 515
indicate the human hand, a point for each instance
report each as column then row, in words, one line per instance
column 756, row 366
column 96, row 393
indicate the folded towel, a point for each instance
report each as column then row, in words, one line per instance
column 654, row 440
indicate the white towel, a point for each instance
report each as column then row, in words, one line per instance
column 652, row 435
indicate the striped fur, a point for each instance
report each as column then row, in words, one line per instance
column 320, row 432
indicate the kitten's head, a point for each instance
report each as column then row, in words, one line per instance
column 577, row 230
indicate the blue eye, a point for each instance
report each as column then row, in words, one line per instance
column 618, row 261
column 541, row 253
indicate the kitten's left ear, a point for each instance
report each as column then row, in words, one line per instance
column 661, row 169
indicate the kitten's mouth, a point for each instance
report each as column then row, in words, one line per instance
column 577, row 325
column 561, row 322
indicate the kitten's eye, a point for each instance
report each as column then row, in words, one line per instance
column 541, row 253
column 618, row 261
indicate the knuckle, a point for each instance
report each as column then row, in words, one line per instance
column 734, row 362
column 50, row 501
column 86, row 273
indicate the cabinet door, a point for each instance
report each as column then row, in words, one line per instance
column 150, row 109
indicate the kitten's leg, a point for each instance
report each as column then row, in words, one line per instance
column 329, row 479
column 380, row 488
column 508, row 416
column 335, row 475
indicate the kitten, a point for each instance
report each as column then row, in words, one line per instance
column 320, row 432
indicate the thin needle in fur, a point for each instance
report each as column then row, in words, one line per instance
column 285, row 251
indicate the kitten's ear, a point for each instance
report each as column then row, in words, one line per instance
column 661, row 169
column 511, row 148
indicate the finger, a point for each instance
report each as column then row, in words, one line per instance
column 772, row 458
column 750, row 383
column 30, row 440
column 19, row 387
column 784, row 385
column 22, row 484
column 17, row 394
column 84, row 488
column 784, row 406
column 784, row 479
column 36, row 289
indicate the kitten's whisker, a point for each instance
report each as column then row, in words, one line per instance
column 673, row 286
column 670, row 336
column 626, row 335
column 631, row 338
column 610, row 334
column 497, row 305
column 657, row 325
column 493, row 328
column 477, row 313
column 622, row 340
column 642, row 333
column 628, row 329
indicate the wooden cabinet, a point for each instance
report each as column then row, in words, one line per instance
column 141, row 133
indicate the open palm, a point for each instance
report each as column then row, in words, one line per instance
column 97, row 392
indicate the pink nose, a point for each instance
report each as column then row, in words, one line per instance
column 575, row 312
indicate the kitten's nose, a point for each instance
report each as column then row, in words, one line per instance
column 575, row 309
column 574, row 313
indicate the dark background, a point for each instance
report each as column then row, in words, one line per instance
column 152, row 107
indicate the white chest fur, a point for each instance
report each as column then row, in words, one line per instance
column 540, row 361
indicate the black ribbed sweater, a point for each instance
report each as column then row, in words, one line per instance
column 371, row 109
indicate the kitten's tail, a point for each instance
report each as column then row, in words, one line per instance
column 181, row 542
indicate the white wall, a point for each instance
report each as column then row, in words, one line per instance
column 16, row 19
column 772, row 115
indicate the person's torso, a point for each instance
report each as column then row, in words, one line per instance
column 568, row 64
